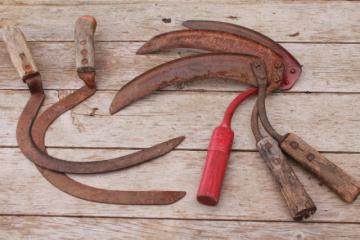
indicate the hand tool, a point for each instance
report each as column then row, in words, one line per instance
column 210, row 40
column 298, row 201
column 198, row 67
column 346, row 187
column 218, row 154
column 80, row 190
column 21, row 57
column 293, row 67
column 22, row 60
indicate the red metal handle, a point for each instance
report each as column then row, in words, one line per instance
column 218, row 155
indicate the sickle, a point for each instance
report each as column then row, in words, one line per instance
column 345, row 186
column 215, row 41
column 197, row 67
column 21, row 58
column 293, row 67
column 298, row 201
column 79, row 190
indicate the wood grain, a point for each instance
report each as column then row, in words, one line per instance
column 315, row 21
column 323, row 35
column 165, row 115
column 299, row 202
column 25, row 192
column 332, row 175
column 326, row 67
column 84, row 44
column 19, row 52
column 152, row 229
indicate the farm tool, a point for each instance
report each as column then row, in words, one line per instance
column 33, row 147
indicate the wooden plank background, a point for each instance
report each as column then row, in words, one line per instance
column 323, row 107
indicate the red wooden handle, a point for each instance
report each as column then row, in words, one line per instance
column 218, row 154
column 215, row 166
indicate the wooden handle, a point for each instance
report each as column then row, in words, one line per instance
column 84, row 45
column 297, row 199
column 215, row 166
column 19, row 52
column 333, row 176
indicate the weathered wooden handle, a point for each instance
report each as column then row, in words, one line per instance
column 84, row 49
column 297, row 199
column 333, row 176
column 19, row 52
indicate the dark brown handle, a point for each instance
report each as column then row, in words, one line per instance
column 298, row 201
column 19, row 52
column 333, row 176
column 84, row 45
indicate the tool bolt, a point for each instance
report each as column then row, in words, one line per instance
column 268, row 146
column 276, row 161
column 278, row 65
column 294, row 145
column 293, row 70
column 84, row 61
column 84, row 52
column 28, row 68
column 310, row 157
column 83, row 42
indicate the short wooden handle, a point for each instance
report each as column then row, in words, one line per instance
column 297, row 199
column 334, row 177
column 19, row 52
column 215, row 166
column 84, row 44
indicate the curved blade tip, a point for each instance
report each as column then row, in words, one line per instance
column 144, row 49
column 174, row 196
column 176, row 141
column 188, row 23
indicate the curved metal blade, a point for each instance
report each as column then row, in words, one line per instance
column 293, row 67
column 214, row 41
column 80, row 190
column 198, row 67
column 32, row 152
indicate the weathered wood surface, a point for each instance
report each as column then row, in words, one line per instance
column 323, row 35
column 327, row 67
column 169, row 114
column 329, row 173
column 248, row 193
column 19, row 52
column 318, row 21
column 298, row 201
column 103, row 228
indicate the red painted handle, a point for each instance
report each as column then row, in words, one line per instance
column 215, row 166
column 218, row 155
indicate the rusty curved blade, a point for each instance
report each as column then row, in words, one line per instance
column 293, row 67
column 214, row 41
column 80, row 190
column 198, row 67
column 32, row 152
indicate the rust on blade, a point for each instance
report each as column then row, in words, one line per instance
column 198, row 67
column 292, row 66
column 80, row 190
column 214, row 41
column 32, row 152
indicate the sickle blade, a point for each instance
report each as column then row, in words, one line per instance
column 293, row 67
column 214, row 41
column 32, row 152
column 82, row 191
column 199, row 67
